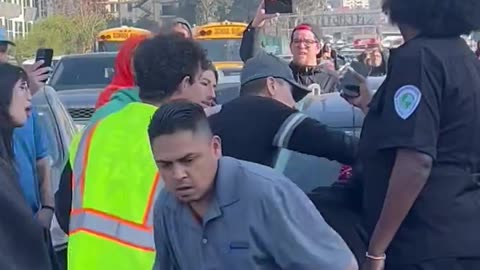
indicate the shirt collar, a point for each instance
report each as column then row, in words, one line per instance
column 226, row 188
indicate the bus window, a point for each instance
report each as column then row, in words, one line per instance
column 222, row 49
column 109, row 46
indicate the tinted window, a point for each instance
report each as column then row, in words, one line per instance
column 77, row 73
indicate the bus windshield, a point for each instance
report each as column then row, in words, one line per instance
column 219, row 50
column 109, row 46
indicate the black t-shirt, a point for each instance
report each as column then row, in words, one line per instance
column 253, row 128
column 429, row 102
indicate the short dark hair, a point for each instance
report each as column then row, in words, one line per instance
column 254, row 87
column 436, row 18
column 212, row 68
column 162, row 62
column 178, row 115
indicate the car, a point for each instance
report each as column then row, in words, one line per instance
column 59, row 129
column 31, row 61
column 79, row 79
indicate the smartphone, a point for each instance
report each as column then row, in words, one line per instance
column 349, row 85
column 278, row 6
column 46, row 55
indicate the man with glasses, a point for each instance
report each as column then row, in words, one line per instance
column 262, row 120
column 305, row 45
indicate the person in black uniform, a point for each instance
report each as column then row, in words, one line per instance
column 419, row 151
column 262, row 120
column 305, row 46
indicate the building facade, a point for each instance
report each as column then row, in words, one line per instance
column 133, row 11
column 17, row 17
column 356, row 4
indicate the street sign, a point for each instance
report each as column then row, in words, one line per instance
column 351, row 19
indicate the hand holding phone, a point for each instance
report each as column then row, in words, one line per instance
column 45, row 55
column 278, row 6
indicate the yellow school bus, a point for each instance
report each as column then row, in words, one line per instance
column 109, row 40
column 222, row 41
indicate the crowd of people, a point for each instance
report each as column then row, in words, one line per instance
column 164, row 178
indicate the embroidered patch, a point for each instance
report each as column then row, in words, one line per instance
column 406, row 100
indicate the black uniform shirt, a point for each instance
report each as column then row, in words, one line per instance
column 429, row 103
column 253, row 128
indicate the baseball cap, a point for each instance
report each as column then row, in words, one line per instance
column 265, row 65
column 183, row 22
column 4, row 38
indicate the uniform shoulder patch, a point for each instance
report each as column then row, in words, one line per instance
column 406, row 100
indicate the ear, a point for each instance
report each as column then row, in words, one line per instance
column 318, row 48
column 185, row 83
column 270, row 86
column 217, row 146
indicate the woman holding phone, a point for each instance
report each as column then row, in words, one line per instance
column 22, row 244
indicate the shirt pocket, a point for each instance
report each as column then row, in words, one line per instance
column 238, row 255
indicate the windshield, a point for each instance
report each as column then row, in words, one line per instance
column 222, row 49
column 84, row 72
column 109, row 46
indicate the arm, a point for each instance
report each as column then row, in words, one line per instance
column 43, row 165
column 44, row 175
column 298, row 238
column 305, row 135
column 248, row 45
column 409, row 176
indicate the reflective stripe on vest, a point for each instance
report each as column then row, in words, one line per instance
column 106, row 225
column 284, row 134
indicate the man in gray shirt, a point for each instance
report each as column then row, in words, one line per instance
column 222, row 213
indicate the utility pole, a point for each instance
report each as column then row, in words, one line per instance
column 155, row 11
column 120, row 18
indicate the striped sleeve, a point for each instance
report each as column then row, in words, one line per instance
column 284, row 134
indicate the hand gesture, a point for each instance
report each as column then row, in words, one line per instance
column 261, row 17
column 363, row 100
column 37, row 76
column 44, row 217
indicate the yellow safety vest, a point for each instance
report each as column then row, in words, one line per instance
column 114, row 186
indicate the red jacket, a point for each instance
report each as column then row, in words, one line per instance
column 123, row 77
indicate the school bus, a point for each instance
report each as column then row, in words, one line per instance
column 109, row 40
column 222, row 42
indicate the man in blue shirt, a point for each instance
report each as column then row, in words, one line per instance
column 223, row 213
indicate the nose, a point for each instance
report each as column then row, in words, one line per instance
column 302, row 45
column 178, row 172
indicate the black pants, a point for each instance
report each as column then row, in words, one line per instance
column 442, row 264
column 337, row 208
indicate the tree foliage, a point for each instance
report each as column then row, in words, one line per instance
column 66, row 33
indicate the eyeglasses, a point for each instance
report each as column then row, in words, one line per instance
column 307, row 42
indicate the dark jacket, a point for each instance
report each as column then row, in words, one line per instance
column 308, row 76
column 22, row 239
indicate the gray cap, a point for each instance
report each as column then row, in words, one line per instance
column 265, row 65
